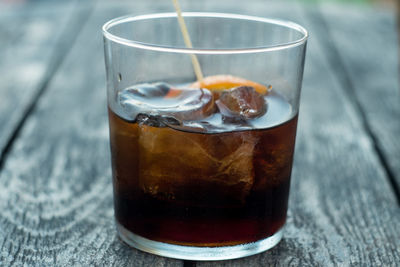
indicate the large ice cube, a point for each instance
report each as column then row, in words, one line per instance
column 242, row 102
column 160, row 103
column 196, row 168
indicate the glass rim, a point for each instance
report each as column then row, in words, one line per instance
column 184, row 50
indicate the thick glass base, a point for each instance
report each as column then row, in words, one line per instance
column 197, row 253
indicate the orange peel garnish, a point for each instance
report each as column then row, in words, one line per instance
column 222, row 82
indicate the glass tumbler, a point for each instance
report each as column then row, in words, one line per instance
column 202, row 163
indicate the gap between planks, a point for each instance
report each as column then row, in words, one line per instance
column 187, row 263
column 64, row 43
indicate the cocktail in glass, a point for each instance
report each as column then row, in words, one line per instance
column 202, row 166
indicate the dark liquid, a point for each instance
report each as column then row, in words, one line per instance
column 165, row 189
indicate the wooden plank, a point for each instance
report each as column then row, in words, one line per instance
column 33, row 40
column 369, row 67
column 58, row 207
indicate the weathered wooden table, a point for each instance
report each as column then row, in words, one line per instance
column 55, row 175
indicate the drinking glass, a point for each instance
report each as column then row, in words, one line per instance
column 201, row 169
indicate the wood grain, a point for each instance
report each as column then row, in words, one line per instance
column 58, row 207
column 367, row 60
column 55, row 188
column 33, row 40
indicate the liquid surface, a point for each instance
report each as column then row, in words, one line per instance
column 153, row 102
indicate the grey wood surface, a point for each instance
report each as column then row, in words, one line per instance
column 368, row 67
column 34, row 40
column 55, row 184
column 59, row 195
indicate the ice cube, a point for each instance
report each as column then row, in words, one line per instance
column 196, row 168
column 242, row 102
column 160, row 103
column 157, row 120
